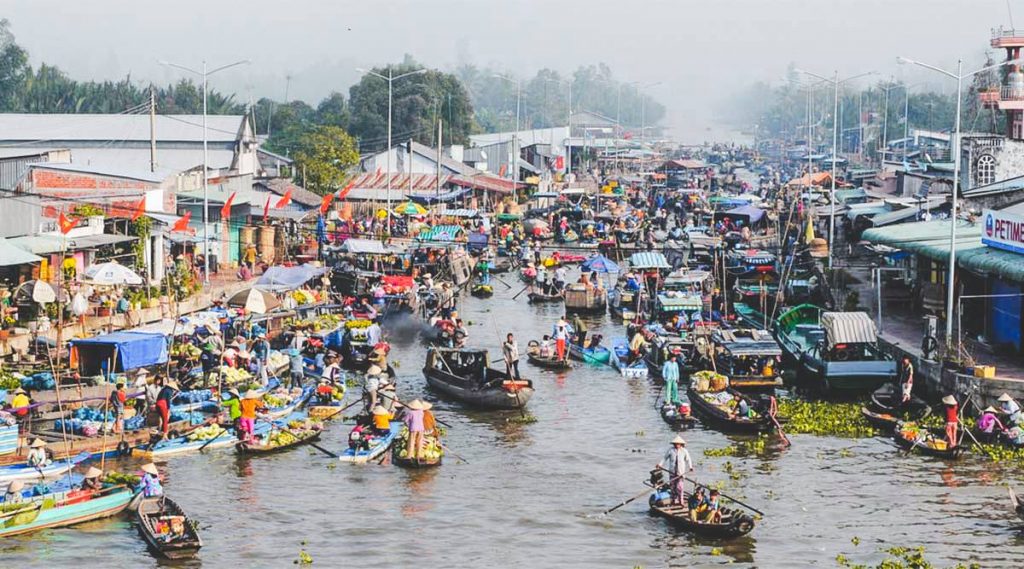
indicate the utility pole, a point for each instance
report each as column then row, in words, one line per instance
column 437, row 188
column 152, row 129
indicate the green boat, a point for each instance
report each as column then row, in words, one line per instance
column 834, row 351
column 64, row 509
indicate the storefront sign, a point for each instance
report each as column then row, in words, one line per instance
column 1003, row 230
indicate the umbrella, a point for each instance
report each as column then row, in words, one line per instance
column 254, row 300
column 410, row 208
column 111, row 274
column 600, row 264
column 43, row 293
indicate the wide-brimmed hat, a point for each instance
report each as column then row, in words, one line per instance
column 427, row 406
column 19, row 391
column 990, row 409
column 233, row 391
column 378, row 410
column 150, row 468
column 142, row 372
column 374, row 370
column 252, row 394
column 948, row 400
column 678, row 440
column 38, row 443
column 1005, row 397
column 173, row 385
column 16, row 486
column 415, row 404
column 93, row 472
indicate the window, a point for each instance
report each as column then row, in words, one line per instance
column 985, row 170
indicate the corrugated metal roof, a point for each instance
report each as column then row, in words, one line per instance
column 49, row 130
column 848, row 328
column 131, row 173
column 43, row 244
column 648, row 260
column 11, row 255
column 992, row 262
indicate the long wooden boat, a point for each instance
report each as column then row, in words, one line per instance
column 293, row 441
column 834, row 351
column 931, row 442
column 66, row 510
column 541, row 298
column 885, row 411
column 715, row 415
column 152, row 515
column 547, row 362
column 182, row 445
column 672, row 415
column 293, row 406
column 619, row 359
column 597, row 356
column 1018, row 506
column 734, row 523
column 412, row 462
column 379, row 446
column 26, row 472
column 464, row 375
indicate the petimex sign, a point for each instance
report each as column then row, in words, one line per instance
column 1003, row 230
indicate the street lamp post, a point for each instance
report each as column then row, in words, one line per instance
column 643, row 117
column 206, row 157
column 954, row 152
column 513, row 159
column 835, row 81
column 390, row 78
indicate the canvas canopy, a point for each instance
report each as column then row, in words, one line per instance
column 600, row 264
column 364, row 247
column 648, row 260
column 848, row 328
column 129, row 350
column 280, row 279
column 748, row 214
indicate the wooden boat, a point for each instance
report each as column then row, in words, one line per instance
column 1018, row 506
column 619, row 359
column 182, row 445
column 464, row 374
column 714, row 414
column 540, row 298
column 411, row 462
column 153, row 514
column 547, row 362
column 623, row 304
column 672, row 415
column 482, row 291
column 378, row 446
column 25, row 472
column 734, row 523
column 885, row 411
column 293, row 441
column 585, row 300
column 65, row 510
column 293, row 406
column 598, row 356
column 929, row 441
column 834, row 351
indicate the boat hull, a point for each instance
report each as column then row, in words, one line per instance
column 380, row 446
column 486, row 398
column 108, row 505
column 599, row 356
column 186, row 546
column 735, row 525
column 716, row 418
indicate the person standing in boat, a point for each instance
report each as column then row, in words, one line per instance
column 1011, row 408
column 677, row 463
column 150, row 482
column 581, row 330
column 261, row 355
column 163, row 405
column 510, row 351
column 233, row 403
column 117, row 399
column 250, row 405
column 952, row 419
column 414, row 421
column 906, row 379
column 670, row 373
column 560, row 333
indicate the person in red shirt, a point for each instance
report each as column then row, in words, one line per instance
column 952, row 419
column 118, row 397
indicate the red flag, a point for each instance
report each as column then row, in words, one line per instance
column 266, row 209
column 140, row 209
column 348, row 188
column 66, row 224
column 379, row 170
column 225, row 212
column 182, row 223
column 285, row 199
column 326, row 203
column 501, row 172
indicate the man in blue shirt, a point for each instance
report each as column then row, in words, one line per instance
column 670, row 373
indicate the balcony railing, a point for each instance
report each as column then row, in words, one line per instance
column 1004, row 93
column 1004, row 35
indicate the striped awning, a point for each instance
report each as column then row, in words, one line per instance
column 440, row 233
column 848, row 328
column 648, row 260
column 467, row 213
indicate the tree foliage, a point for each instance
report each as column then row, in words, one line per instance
column 324, row 154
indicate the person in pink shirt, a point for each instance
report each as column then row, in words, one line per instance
column 414, row 421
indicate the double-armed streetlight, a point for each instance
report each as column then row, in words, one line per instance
column 835, row 81
column 954, row 152
column 390, row 78
column 205, row 73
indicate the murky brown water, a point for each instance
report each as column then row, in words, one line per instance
column 530, row 493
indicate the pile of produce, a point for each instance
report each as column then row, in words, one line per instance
column 708, row 380
column 824, row 418
column 432, row 449
column 304, row 296
column 277, row 360
column 114, row 477
column 279, row 438
column 205, row 433
column 234, row 375
column 193, row 396
column 277, row 399
column 9, row 381
column 80, row 427
column 185, row 350
column 317, row 323
column 351, row 324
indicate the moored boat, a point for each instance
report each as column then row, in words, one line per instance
column 431, row 455
column 65, row 510
column 932, row 442
column 464, row 374
column 619, row 359
column 166, row 529
column 541, row 298
column 26, row 472
column 598, row 355
column 537, row 357
column 1018, row 506
column 372, row 448
column 678, row 415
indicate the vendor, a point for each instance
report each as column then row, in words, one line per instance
column 37, row 456
column 150, row 482
column 92, row 479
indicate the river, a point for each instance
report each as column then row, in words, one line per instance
column 531, row 493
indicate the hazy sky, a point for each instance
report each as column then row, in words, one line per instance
column 698, row 49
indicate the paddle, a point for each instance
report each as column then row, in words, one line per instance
column 395, row 399
column 314, row 445
column 448, row 450
column 640, row 495
column 207, row 443
column 773, row 409
column 503, row 282
column 520, row 292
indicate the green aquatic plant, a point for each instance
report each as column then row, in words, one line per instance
column 900, row 558
column 824, row 418
column 742, row 448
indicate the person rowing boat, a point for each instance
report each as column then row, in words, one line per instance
column 677, row 463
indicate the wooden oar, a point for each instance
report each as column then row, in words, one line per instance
column 314, row 445
column 520, row 292
column 448, row 450
column 772, row 410
column 207, row 443
column 640, row 495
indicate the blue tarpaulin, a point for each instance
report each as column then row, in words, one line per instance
column 278, row 279
column 427, row 199
column 130, row 350
column 748, row 214
column 600, row 264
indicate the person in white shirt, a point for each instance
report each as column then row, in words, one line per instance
column 677, row 463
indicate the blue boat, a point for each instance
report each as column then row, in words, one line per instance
column 26, row 472
column 380, row 446
column 599, row 355
column 62, row 510
column 182, row 445
column 620, row 358
column 43, row 490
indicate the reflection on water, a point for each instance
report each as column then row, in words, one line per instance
column 530, row 492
